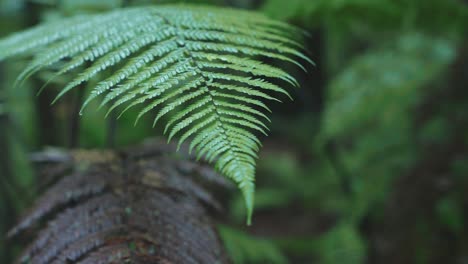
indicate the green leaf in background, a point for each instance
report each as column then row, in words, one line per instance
column 244, row 248
column 450, row 213
column 381, row 85
column 315, row 11
column 9, row 6
column 342, row 244
column 71, row 6
column 446, row 16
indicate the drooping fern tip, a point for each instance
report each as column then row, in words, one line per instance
column 197, row 68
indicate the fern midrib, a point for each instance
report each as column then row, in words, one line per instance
column 218, row 116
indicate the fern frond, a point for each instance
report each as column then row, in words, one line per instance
column 198, row 67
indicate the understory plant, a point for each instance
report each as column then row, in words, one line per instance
column 197, row 70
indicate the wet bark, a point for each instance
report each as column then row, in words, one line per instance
column 138, row 206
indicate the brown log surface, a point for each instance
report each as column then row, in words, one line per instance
column 143, row 205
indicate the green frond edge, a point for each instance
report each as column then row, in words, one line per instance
column 198, row 64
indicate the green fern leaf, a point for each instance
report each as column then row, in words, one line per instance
column 198, row 67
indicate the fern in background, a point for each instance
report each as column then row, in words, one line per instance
column 363, row 94
column 372, row 15
column 196, row 67
column 244, row 248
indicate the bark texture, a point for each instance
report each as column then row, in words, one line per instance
column 142, row 205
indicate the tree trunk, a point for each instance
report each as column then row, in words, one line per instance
column 132, row 206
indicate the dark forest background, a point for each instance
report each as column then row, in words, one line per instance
column 369, row 163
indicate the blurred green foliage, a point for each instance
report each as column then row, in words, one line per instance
column 366, row 94
column 342, row 244
column 341, row 184
column 376, row 15
column 247, row 249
